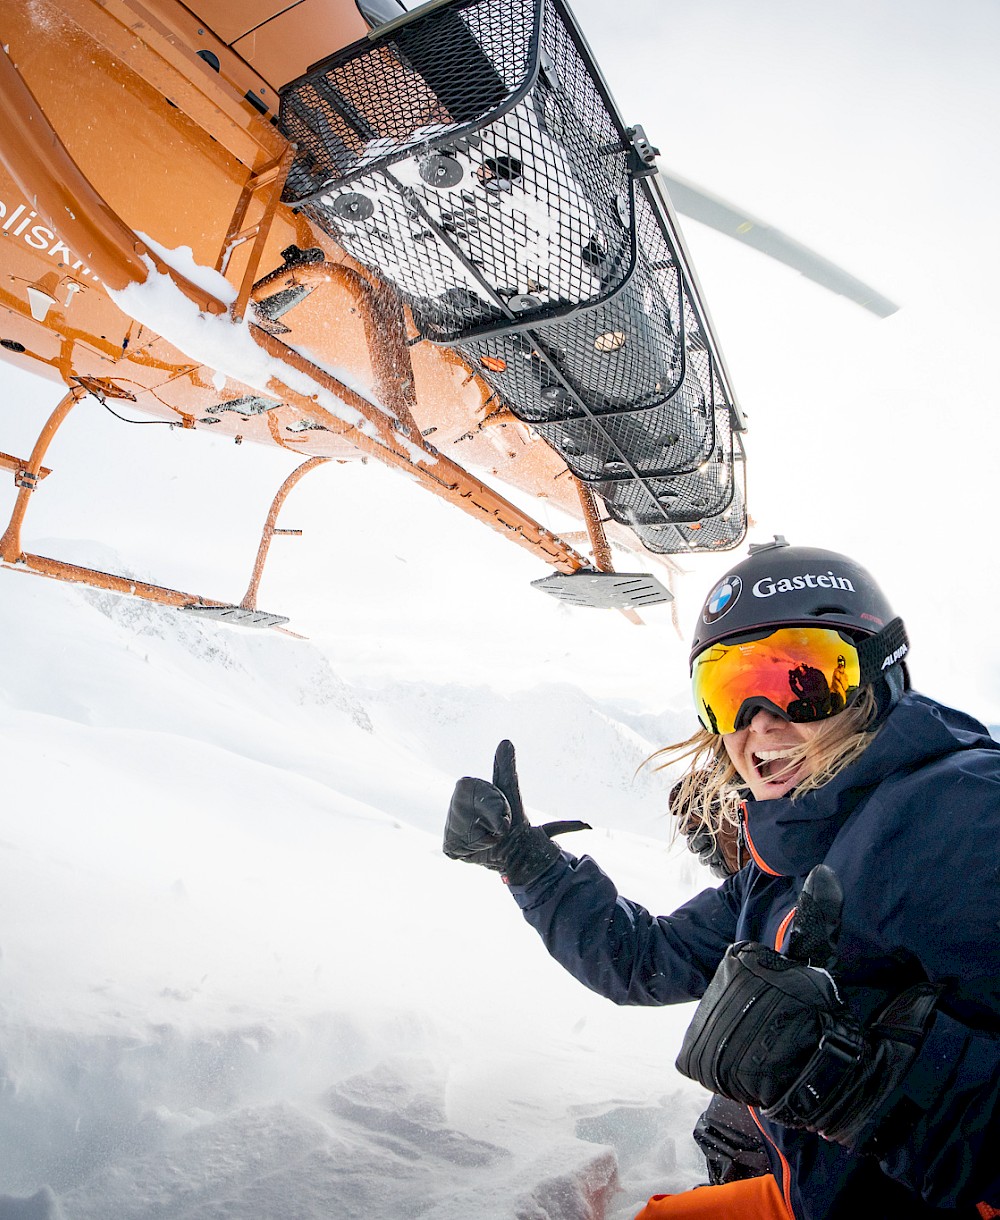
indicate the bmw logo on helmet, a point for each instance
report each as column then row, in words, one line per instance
column 722, row 598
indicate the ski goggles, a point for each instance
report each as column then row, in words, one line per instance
column 802, row 674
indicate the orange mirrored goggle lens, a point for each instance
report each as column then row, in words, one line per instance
column 802, row 673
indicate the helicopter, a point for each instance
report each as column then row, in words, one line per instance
column 354, row 229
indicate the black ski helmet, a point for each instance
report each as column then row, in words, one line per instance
column 798, row 586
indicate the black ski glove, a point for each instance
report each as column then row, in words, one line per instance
column 773, row 1032
column 486, row 825
column 722, row 852
column 709, row 850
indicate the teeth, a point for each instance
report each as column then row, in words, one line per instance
column 770, row 755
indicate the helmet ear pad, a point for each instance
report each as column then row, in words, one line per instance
column 888, row 690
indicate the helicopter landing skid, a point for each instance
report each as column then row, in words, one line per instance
column 27, row 476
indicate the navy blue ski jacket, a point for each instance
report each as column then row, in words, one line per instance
column 912, row 829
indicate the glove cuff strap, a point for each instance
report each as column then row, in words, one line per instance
column 837, row 1058
column 528, row 853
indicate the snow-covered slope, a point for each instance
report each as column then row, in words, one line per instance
column 238, row 976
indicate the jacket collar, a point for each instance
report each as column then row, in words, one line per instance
column 786, row 837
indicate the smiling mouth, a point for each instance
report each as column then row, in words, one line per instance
column 773, row 766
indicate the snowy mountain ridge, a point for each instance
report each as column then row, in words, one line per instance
column 238, row 976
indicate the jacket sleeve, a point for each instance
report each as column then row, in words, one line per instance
column 615, row 947
column 923, row 866
column 942, row 1138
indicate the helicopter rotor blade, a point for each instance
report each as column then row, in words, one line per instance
column 709, row 209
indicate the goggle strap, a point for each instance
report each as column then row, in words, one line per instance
column 877, row 653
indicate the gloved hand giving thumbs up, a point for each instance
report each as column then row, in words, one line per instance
column 773, row 1031
column 487, row 825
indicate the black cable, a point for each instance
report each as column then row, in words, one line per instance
column 167, row 422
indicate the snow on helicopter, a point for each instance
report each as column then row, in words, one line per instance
column 350, row 230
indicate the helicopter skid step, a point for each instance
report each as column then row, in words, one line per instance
column 605, row 590
column 239, row 616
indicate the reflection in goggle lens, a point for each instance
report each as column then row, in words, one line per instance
column 801, row 673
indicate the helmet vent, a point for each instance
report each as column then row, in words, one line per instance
column 821, row 610
column 757, row 547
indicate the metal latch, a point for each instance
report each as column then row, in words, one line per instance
column 642, row 163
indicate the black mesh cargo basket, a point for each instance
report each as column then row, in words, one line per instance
column 714, row 533
column 471, row 155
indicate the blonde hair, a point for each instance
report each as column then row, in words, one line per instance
column 710, row 791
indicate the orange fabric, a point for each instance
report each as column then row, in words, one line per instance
column 786, row 1173
column 779, row 936
column 758, row 858
column 987, row 1210
column 752, row 1199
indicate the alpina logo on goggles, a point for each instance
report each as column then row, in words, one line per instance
column 801, row 673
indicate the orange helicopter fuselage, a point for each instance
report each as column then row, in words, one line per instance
column 138, row 130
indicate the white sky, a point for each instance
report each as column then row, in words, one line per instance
column 867, row 131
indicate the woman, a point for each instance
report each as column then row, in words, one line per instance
column 849, row 973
